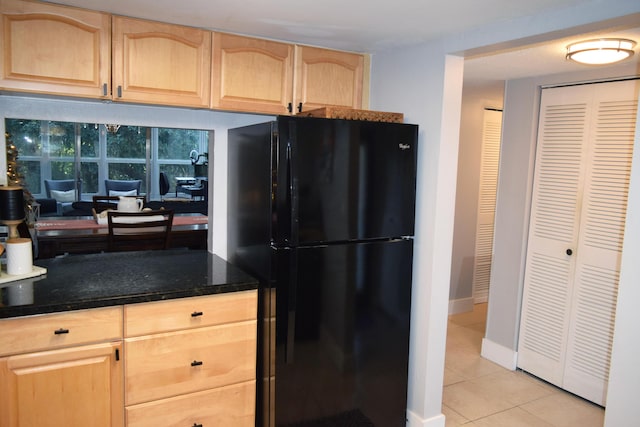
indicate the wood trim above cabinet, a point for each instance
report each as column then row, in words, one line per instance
column 159, row 63
column 252, row 75
column 55, row 49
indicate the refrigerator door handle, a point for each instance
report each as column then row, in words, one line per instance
column 291, row 306
column 293, row 190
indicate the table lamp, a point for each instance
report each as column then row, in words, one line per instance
column 12, row 209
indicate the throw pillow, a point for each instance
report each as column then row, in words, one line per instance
column 123, row 193
column 64, row 196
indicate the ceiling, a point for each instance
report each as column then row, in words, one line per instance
column 370, row 26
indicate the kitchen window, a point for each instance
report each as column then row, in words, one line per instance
column 89, row 153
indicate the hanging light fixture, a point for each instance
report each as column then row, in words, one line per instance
column 600, row 51
column 112, row 128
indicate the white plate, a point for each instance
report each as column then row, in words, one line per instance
column 35, row 272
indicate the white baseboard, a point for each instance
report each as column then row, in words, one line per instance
column 461, row 305
column 499, row 354
column 415, row 421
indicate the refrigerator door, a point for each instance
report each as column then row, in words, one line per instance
column 249, row 198
column 342, row 333
column 343, row 180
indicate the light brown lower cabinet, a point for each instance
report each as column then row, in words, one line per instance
column 75, row 386
column 184, row 362
column 203, row 374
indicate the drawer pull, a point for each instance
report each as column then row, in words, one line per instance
column 196, row 314
column 196, row 363
column 61, row 331
column 196, row 425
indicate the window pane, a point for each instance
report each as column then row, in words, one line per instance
column 25, row 135
column 62, row 170
column 61, row 139
column 178, row 143
column 128, row 143
column 90, row 137
column 30, row 171
column 175, row 170
column 128, row 171
column 89, row 177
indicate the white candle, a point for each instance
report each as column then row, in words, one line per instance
column 19, row 256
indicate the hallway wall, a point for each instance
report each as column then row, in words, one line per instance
column 474, row 101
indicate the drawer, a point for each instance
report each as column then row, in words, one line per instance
column 184, row 313
column 232, row 405
column 50, row 331
column 175, row 363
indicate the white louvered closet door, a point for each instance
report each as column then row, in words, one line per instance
column 585, row 142
column 490, row 159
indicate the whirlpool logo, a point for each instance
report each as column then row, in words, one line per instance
column 404, row 146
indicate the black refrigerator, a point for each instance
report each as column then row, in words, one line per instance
column 322, row 212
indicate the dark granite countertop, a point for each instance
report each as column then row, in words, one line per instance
column 77, row 282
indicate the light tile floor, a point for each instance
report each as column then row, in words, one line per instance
column 478, row 392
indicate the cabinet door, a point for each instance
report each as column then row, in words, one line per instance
column 54, row 49
column 251, row 74
column 71, row 387
column 327, row 78
column 160, row 63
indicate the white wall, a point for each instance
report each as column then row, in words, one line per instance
column 624, row 378
column 75, row 110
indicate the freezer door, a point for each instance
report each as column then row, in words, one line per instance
column 341, row 180
column 342, row 333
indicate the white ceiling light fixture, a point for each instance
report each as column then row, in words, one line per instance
column 600, row 51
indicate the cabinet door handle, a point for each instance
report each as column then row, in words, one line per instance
column 300, row 107
column 290, row 107
column 196, row 425
column 197, row 313
column 196, row 363
column 61, row 331
column 569, row 252
column 104, row 89
column 119, row 91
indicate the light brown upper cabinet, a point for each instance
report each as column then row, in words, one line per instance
column 326, row 78
column 160, row 63
column 68, row 51
column 55, row 49
column 251, row 74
